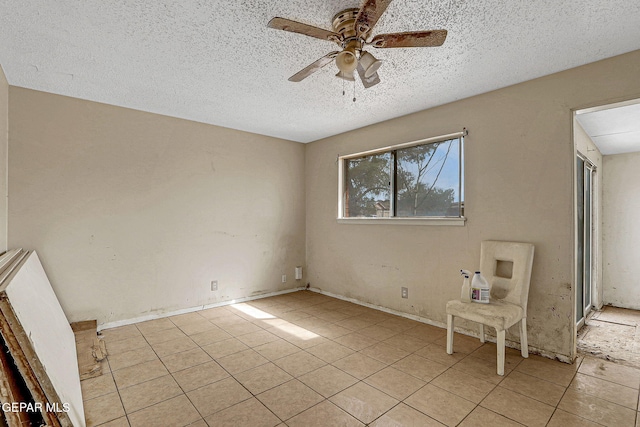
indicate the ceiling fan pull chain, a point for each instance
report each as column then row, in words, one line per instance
column 354, row 91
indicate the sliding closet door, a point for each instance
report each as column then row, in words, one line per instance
column 585, row 172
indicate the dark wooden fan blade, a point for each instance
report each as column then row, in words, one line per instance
column 370, row 81
column 410, row 39
column 312, row 68
column 369, row 14
column 300, row 28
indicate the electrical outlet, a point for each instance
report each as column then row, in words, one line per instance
column 214, row 285
column 405, row 292
column 284, row 278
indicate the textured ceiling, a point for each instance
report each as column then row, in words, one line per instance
column 614, row 129
column 217, row 62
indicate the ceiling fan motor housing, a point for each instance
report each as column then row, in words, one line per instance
column 344, row 23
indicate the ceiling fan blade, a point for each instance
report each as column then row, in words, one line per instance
column 369, row 14
column 312, row 68
column 300, row 28
column 431, row 38
column 367, row 82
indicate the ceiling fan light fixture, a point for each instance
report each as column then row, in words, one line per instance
column 346, row 76
column 346, row 61
column 351, row 30
column 369, row 63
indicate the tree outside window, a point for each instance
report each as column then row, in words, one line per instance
column 419, row 181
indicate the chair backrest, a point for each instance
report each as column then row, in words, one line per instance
column 507, row 268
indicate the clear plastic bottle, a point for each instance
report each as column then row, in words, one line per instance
column 480, row 289
column 465, row 293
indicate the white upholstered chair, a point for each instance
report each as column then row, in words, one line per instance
column 507, row 268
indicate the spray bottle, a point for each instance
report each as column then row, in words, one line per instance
column 465, row 293
column 480, row 289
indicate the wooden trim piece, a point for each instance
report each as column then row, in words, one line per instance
column 11, row 391
column 22, row 362
column 90, row 350
column 61, row 418
column 86, row 325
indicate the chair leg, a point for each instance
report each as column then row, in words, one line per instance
column 524, row 346
column 481, row 333
column 500, row 344
column 449, row 334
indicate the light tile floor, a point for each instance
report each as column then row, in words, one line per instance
column 304, row 359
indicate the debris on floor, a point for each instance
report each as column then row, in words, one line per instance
column 90, row 348
column 612, row 334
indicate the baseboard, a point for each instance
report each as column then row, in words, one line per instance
column 508, row 343
column 153, row 316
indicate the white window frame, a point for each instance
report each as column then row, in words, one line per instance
column 460, row 221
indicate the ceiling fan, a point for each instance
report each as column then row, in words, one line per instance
column 352, row 32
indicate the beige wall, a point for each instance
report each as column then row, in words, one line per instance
column 4, row 144
column 621, row 230
column 519, row 186
column 133, row 214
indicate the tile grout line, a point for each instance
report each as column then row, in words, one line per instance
column 222, row 367
column 168, row 373
column 118, row 391
column 555, row 409
column 325, row 399
column 379, row 341
column 230, row 375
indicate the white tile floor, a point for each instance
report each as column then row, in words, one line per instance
column 305, row 359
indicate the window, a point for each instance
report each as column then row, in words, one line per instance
column 418, row 180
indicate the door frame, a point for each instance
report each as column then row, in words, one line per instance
column 596, row 235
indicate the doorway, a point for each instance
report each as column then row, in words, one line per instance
column 606, row 231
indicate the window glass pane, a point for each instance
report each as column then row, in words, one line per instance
column 428, row 180
column 368, row 186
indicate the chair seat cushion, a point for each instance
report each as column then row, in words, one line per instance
column 497, row 314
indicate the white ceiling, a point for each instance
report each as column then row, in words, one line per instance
column 217, row 62
column 614, row 129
